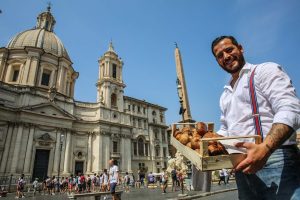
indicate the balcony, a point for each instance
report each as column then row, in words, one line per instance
column 115, row 154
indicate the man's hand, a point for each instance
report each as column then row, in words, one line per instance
column 257, row 156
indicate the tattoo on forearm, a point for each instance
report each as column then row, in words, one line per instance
column 277, row 135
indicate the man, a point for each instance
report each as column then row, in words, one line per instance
column 113, row 178
column 271, row 169
column 221, row 177
column 127, row 182
column 174, row 178
column 151, row 179
column 164, row 179
column 20, row 187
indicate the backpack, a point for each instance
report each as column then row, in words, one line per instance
column 151, row 179
column 94, row 179
column 21, row 184
column 128, row 179
column 173, row 173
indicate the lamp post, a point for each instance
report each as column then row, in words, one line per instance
column 60, row 150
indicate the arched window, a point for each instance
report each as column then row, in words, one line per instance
column 141, row 146
column 113, row 99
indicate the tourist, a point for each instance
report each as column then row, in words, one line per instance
column 113, row 178
column 221, row 177
column 174, row 178
column 164, row 179
column 127, row 182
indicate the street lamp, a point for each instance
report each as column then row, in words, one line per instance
column 62, row 136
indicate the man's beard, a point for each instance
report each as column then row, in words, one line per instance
column 241, row 63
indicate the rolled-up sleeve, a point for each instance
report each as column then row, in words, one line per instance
column 277, row 87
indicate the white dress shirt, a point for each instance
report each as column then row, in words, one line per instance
column 276, row 98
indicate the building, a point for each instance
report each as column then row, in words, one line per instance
column 44, row 131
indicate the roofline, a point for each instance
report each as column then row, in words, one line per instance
column 145, row 102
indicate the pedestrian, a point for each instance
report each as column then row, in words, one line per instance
column 221, row 177
column 164, row 179
column 49, row 185
column 89, row 183
column 226, row 175
column 20, row 187
column 127, row 182
column 105, row 183
column 35, row 185
column 113, row 178
column 94, row 182
column 260, row 100
column 174, row 178
column 151, row 179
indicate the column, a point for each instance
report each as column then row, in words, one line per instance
column 89, row 161
column 29, row 151
column 6, row 148
column 123, row 154
column 57, row 152
column 128, row 157
column 98, row 153
column 17, row 149
column 67, row 153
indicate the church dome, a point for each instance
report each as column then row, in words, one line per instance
column 40, row 37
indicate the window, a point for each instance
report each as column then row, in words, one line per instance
column 157, row 163
column 165, row 152
column 155, row 133
column 134, row 123
column 163, row 136
column 157, row 151
column 115, row 147
column 113, row 100
column 15, row 75
column 139, row 123
column 128, row 107
column 161, row 118
column 146, row 149
column 114, row 72
column 134, row 148
column 46, row 77
column 145, row 124
column 139, row 109
column 141, row 146
column 133, row 108
column 144, row 110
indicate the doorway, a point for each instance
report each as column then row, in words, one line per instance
column 78, row 167
column 41, row 162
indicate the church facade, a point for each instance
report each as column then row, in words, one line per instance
column 45, row 132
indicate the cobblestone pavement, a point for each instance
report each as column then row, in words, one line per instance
column 146, row 194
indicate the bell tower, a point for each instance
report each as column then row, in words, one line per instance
column 110, row 86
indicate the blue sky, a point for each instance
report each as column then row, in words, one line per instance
column 144, row 32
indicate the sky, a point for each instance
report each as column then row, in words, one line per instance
column 143, row 34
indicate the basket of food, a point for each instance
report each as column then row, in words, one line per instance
column 205, row 149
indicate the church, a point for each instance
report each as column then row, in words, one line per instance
column 44, row 131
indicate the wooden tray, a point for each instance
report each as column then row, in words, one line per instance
column 202, row 160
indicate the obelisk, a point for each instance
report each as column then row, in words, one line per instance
column 181, row 88
column 201, row 181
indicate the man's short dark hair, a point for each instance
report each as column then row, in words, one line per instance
column 218, row 39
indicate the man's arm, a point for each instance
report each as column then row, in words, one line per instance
column 277, row 135
column 258, row 154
